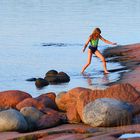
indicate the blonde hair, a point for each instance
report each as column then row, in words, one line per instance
column 95, row 31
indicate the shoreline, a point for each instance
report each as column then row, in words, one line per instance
column 128, row 57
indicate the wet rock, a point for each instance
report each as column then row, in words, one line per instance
column 107, row 112
column 40, row 82
column 31, row 79
column 11, row 98
column 51, row 73
column 53, row 77
column 30, row 102
column 12, row 120
column 32, row 115
column 63, row 77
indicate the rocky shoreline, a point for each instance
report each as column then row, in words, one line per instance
column 128, row 57
column 79, row 113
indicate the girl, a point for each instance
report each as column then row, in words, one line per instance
column 93, row 48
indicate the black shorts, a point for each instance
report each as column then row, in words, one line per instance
column 93, row 49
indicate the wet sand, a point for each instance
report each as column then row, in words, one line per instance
column 129, row 57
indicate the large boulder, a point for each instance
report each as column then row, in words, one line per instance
column 12, row 120
column 122, row 92
column 107, row 112
column 32, row 115
column 30, row 102
column 78, row 97
column 10, row 98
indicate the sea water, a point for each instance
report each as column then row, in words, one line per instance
column 40, row 35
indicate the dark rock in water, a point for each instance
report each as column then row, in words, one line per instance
column 63, row 77
column 53, row 77
column 31, row 79
column 40, row 82
column 51, row 73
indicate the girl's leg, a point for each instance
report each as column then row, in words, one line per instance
column 98, row 54
column 88, row 61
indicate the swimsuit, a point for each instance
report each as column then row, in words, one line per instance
column 94, row 45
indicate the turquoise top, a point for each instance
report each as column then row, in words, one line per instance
column 94, row 43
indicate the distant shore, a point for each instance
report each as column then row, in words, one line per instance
column 129, row 57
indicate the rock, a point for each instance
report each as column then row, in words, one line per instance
column 63, row 77
column 60, row 100
column 31, row 79
column 32, row 115
column 123, row 92
column 30, row 102
column 78, row 97
column 53, row 77
column 48, row 120
column 51, row 73
column 12, row 120
column 46, row 101
column 72, row 114
column 51, row 95
column 136, row 119
column 40, row 82
column 107, row 112
column 10, row 98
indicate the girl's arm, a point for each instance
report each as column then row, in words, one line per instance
column 107, row 41
column 86, row 44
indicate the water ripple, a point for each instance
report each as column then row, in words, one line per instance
column 60, row 44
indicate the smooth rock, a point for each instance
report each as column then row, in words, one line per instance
column 12, row 120
column 107, row 112
column 32, row 115
column 10, row 98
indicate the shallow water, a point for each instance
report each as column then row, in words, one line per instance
column 39, row 35
column 130, row 135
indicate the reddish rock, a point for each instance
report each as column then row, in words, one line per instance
column 51, row 95
column 72, row 114
column 10, row 98
column 48, row 120
column 30, row 102
column 123, row 92
column 46, row 101
column 75, row 99
column 61, row 100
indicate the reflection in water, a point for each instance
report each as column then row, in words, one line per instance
column 92, row 81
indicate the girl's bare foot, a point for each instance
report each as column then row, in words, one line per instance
column 106, row 72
